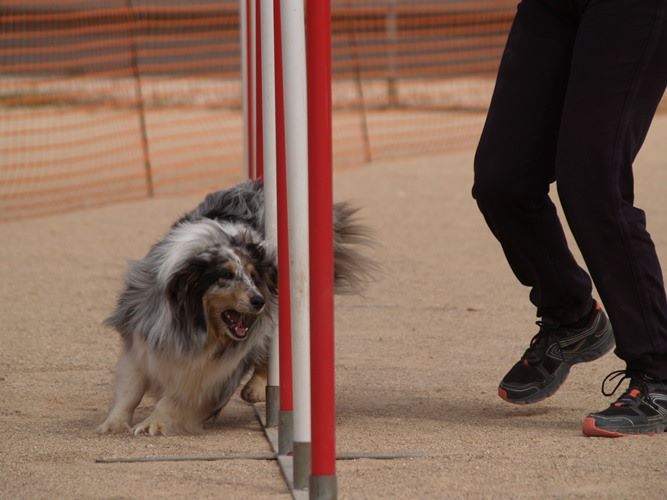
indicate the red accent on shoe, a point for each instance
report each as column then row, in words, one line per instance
column 618, row 405
column 598, row 306
column 590, row 429
column 634, row 393
column 503, row 394
column 524, row 362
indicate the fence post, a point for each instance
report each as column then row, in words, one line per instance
column 360, row 92
column 392, row 39
column 134, row 61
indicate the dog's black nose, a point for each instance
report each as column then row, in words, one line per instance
column 257, row 302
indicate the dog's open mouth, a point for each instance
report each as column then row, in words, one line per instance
column 237, row 323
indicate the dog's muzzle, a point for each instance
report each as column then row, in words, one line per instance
column 238, row 324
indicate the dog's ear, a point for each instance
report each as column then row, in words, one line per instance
column 185, row 291
column 265, row 265
column 257, row 252
column 270, row 272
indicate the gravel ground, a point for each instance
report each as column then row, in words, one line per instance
column 419, row 357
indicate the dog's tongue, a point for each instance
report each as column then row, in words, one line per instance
column 240, row 330
column 236, row 321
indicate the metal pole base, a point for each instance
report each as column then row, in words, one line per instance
column 301, row 465
column 302, row 452
column 285, row 432
column 272, row 405
column 323, row 488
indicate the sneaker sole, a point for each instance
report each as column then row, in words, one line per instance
column 591, row 429
column 606, row 344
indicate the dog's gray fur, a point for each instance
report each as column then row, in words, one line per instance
column 159, row 312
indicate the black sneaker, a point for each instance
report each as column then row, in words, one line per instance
column 553, row 350
column 641, row 409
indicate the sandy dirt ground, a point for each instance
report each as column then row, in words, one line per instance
column 419, row 357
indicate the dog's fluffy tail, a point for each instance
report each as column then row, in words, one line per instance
column 353, row 269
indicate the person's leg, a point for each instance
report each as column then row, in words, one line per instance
column 514, row 165
column 515, row 159
column 617, row 78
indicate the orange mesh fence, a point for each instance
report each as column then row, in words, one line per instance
column 107, row 100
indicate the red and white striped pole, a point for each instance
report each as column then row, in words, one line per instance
column 296, row 156
column 320, row 187
column 285, row 417
column 304, row 198
column 271, row 151
column 268, row 171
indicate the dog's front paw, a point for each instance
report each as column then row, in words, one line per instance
column 254, row 391
column 113, row 425
column 150, row 427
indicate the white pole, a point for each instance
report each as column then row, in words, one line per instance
column 253, row 85
column 296, row 155
column 270, row 188
column 243, row 38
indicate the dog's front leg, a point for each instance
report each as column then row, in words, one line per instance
column 170, row 417
column 130, row 387
column 255, row 390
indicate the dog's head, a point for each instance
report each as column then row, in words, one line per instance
column 220, row 278
column 239, row 294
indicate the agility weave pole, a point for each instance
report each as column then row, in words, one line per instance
column 297, row 166
column 246, row 33
column 286, row 415
column 293, row 39
column 320, row 201
column 308, row 193
column 269, row 172
column 259, row 91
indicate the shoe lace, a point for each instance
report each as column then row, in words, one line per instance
column 541, row 342
column 637, row 382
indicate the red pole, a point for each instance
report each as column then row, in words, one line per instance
column 259, row 158
column 251, row 97
column 284, row 313
column 320, row 199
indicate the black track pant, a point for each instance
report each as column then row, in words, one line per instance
column 578, row 86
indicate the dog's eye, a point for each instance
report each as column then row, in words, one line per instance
column 226, row 274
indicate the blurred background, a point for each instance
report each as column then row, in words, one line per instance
column 109, row 100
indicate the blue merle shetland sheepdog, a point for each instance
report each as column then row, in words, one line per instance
column 197, row 313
